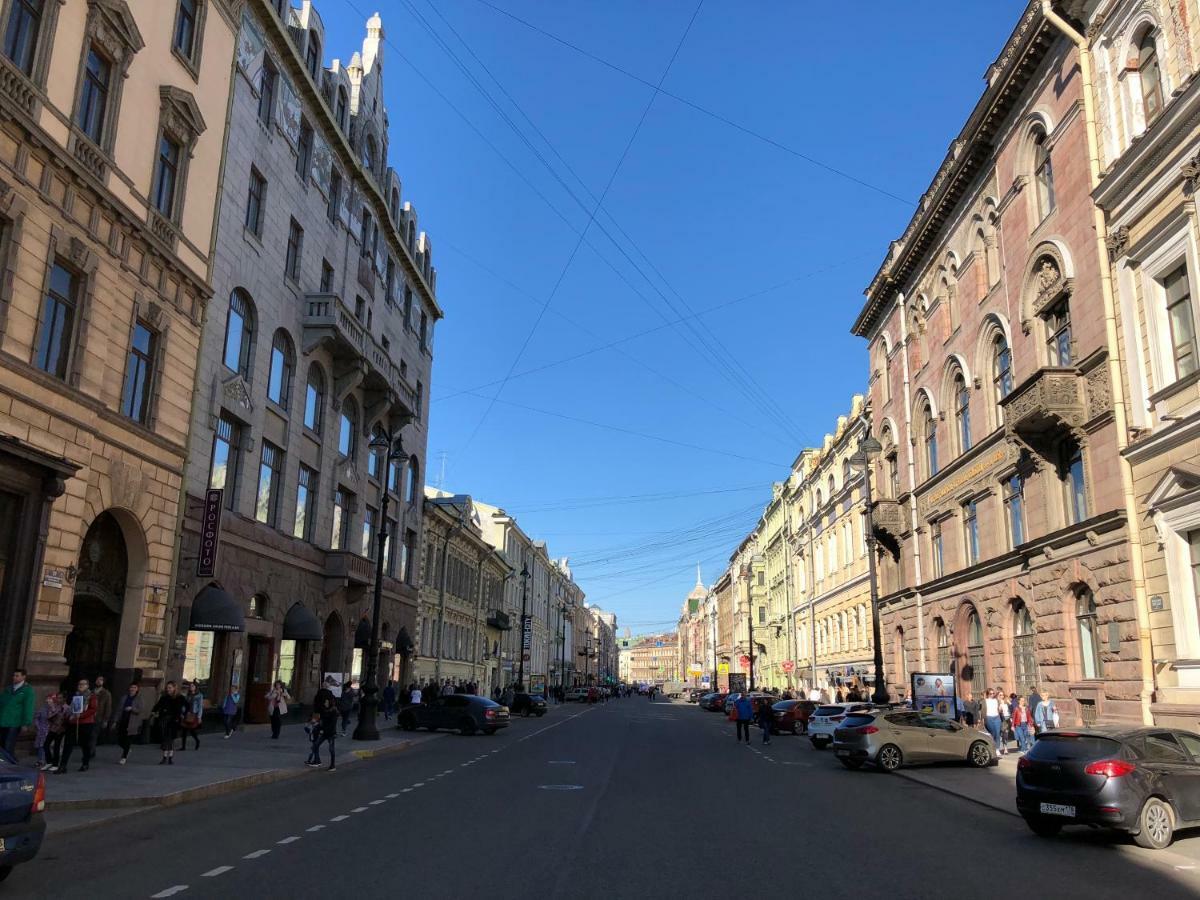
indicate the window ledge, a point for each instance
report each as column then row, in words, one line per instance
column 1175, row 387
column 187, row 62
column 252, row 239
column 277, row 408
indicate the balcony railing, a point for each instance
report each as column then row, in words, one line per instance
column 499, row 620
column 1046, row 404
column 349, row 568
column 888, row 517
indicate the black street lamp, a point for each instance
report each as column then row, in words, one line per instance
column 524, row 602
column 868, row 450
column 368, row 707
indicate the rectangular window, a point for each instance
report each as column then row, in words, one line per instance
column 423, row 331
column 139, row 374
column 57, row 327
column 226, row 459
column 312, row 55
column 762, row 615
column 335, row 195
column 368, row 532
column 341, row 519
column 304, row 149
column 1014, row 507
column 256, row 201
column 971, row 532
column 269, row 471
column 389, row 558
column 185, row 28
column 1178, row 292
column 93, row 99
column 1058, row 331
column 937, row 546
column 285, row 665
column 1194, row 545
column 389, row 282
column 166, row 173
column 326, row 277
column 408, row 307
column 295, row 246
column 1074, row 489
column 306, row 492
column 393, row 477
column 198, row 656
column 24, row 26
column 893, row 466
column 366, row 248
column 410, row 555
column 266, row 93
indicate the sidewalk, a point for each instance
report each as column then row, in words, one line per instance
column 248, row 758
column 994, row 787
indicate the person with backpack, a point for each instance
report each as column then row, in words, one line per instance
column 193, row 715
column 81, row 721
column 322, row 727
column 1045, row 716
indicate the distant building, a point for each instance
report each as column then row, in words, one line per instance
column 654, row 658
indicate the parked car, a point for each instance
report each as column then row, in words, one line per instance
column 827, row 717
column 714, row 702
column 792, row 715
column 1143, row 781
column 528, row 705
column 895, row 738
column 22, row 801
column 464, row 713
column 695, row 694
column 576, row 695
column 730, row 699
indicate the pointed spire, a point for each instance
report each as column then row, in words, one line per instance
column 699, row 580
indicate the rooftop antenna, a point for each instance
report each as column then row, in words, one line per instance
column 441, row 482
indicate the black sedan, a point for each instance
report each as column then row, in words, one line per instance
column 1143, row 781
column 22, row 826
column 528, row 705
column 464, row 713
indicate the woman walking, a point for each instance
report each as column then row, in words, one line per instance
column 1022, row 719
column 129, row 719
column 766, row 717
column 1005, row 721
column 169, row 712
column 991, row 718
column 193, row 715
column 48, row 724
column 277, row 706
column 229, row 710
column 81, row 720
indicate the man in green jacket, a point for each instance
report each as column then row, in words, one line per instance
column 16, row 711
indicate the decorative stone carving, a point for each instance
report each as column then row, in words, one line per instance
column 91, row 158
column 154, row 315
column 180, row 116
column 16, row 87
column 887, row 516
column 236, row 394
column 1099, row 392
column 112, row 26
column 1117, row 242
column 1191, row 174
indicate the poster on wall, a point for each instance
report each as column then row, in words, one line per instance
column 333, row 681
column 933, row 692
column 537, row 684
column 235, row 674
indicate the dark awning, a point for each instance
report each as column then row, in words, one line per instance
column 301, row 625
column 404, row 642
column 214, row 609
column 362, row 634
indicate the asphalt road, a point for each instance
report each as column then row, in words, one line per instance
column 627, row 799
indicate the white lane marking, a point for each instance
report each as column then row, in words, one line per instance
column 169, row 892
column 560, row 762
column 256, row 854
column 1185, row 867
column 339, row 819
column 418, row 784
column 392, row 796
column 405, row 790
column 315, row 828
column 219, row 870
column 376, row 802
column 291, row 839
column 560, row 787
column 448, row 771
column 359, row 809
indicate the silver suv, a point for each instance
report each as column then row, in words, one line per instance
column 891, row 739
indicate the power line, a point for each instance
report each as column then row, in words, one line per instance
column 569, row 503
column 833, row 170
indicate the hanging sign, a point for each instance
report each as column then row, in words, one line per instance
column 210, row 533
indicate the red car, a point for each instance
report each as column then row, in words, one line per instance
column 792, row 715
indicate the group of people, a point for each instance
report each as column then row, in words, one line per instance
column 747, row 710
column 1009, row 717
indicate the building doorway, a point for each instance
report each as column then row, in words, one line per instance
column 91, row 647
column 259, row 668
column 332, row 649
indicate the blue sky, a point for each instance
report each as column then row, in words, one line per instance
column 727, row 269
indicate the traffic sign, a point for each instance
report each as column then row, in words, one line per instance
column 788, row 665
column 722, row 668
column 744, row 660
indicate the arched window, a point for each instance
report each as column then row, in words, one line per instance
column 942, row 637
column 929, row 437
column 1025, row 673
column 342, row 109
column 395, row 205
column 257, row 607
column 1043, row 174
column 962, row 412
column 891, row 463
column 846, row 472
column 314, row 399
column 369, row 153
column 239, row 333
column 412, row 236
column 975, row 654
column 413, row 487
column 348, row 430
column 1149, row 77
column 817, row 502
column 313, row 55
column 832, row 486
column 1002, row 374
column 374, row 458
column 283, row 362
column 983, row 262
column 1090, row 664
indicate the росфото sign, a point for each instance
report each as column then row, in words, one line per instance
column 210, row 533
column 526, row 636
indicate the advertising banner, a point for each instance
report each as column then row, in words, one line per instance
column 933, row 692
column 526, row 636
column 333, row 681
column 537, row 684
column 210, row 533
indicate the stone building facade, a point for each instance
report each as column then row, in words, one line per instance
column 1003, row 524
column 317, row 345
column 111, row 134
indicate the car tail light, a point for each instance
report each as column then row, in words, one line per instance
column 867, row 729
column 489, row 713
column 39, row 793
column 1112, row 768
column 1024, row 763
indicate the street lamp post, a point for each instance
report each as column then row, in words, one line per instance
column 713, row 616
column 868, row 450
column 524, row 602
column 368, row 708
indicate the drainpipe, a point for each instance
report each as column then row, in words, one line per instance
column 1116, row 383
column 906, row 390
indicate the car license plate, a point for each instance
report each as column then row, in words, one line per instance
column 1058, row 809
column 843, row 752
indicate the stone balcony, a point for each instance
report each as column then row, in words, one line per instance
column 346, row 569
column 499, row 620
column 328, row 321
column 1049, row 402
column 887, row 517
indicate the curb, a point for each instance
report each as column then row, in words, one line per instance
column 215, row 789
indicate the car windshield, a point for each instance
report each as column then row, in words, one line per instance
column 857, row 721
column 1066, row 747
column 828, row 711
column 785, row 704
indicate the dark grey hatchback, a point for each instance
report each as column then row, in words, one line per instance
column 22, row 826
column 464, row 713
column 1143, row 781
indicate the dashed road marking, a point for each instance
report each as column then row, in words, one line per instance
column 392, row 796
column 419, row 784
column 376, row 802
column 560, row 762
column 339, row 819
column 560, row 787
column 219, row 870
column 256, row 854
column 315, row 828
column 448, row 771
column 291, row 839
column 406, row 790
column 359, row 809
column 170, row 892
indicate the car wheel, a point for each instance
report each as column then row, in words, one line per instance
column 851, row 763
column 795, row 728
column 542, row 713
column 980, row 755
column 525, row 713
column 1156, row 825
column 1043, row 827
column 408, row 723
column 889, row 758
column 466, row 726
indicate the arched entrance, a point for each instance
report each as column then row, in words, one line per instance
column 91, row 647
column 332, row 652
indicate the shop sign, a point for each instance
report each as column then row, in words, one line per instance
column 210, row 533
column 933, row 692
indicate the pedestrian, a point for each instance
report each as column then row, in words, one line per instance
column 970, row 710
column 51, row 712
column 129, row 719
column 1006, row 733
column 81, row 720
column 57, row 733
column 1045, row 716
column 104, row 712
column 323, row 727
column 169, row 712
column 229, row 711
column 414, row 696
column 743, row 712
column 346, row 704
column 1035, row 699
column 766, row 718
column 389, row 700
column 278, row 699
column 193, row 715
column 16, row 711
column 841, row 698
column 991, row 718
column 1022, row 719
